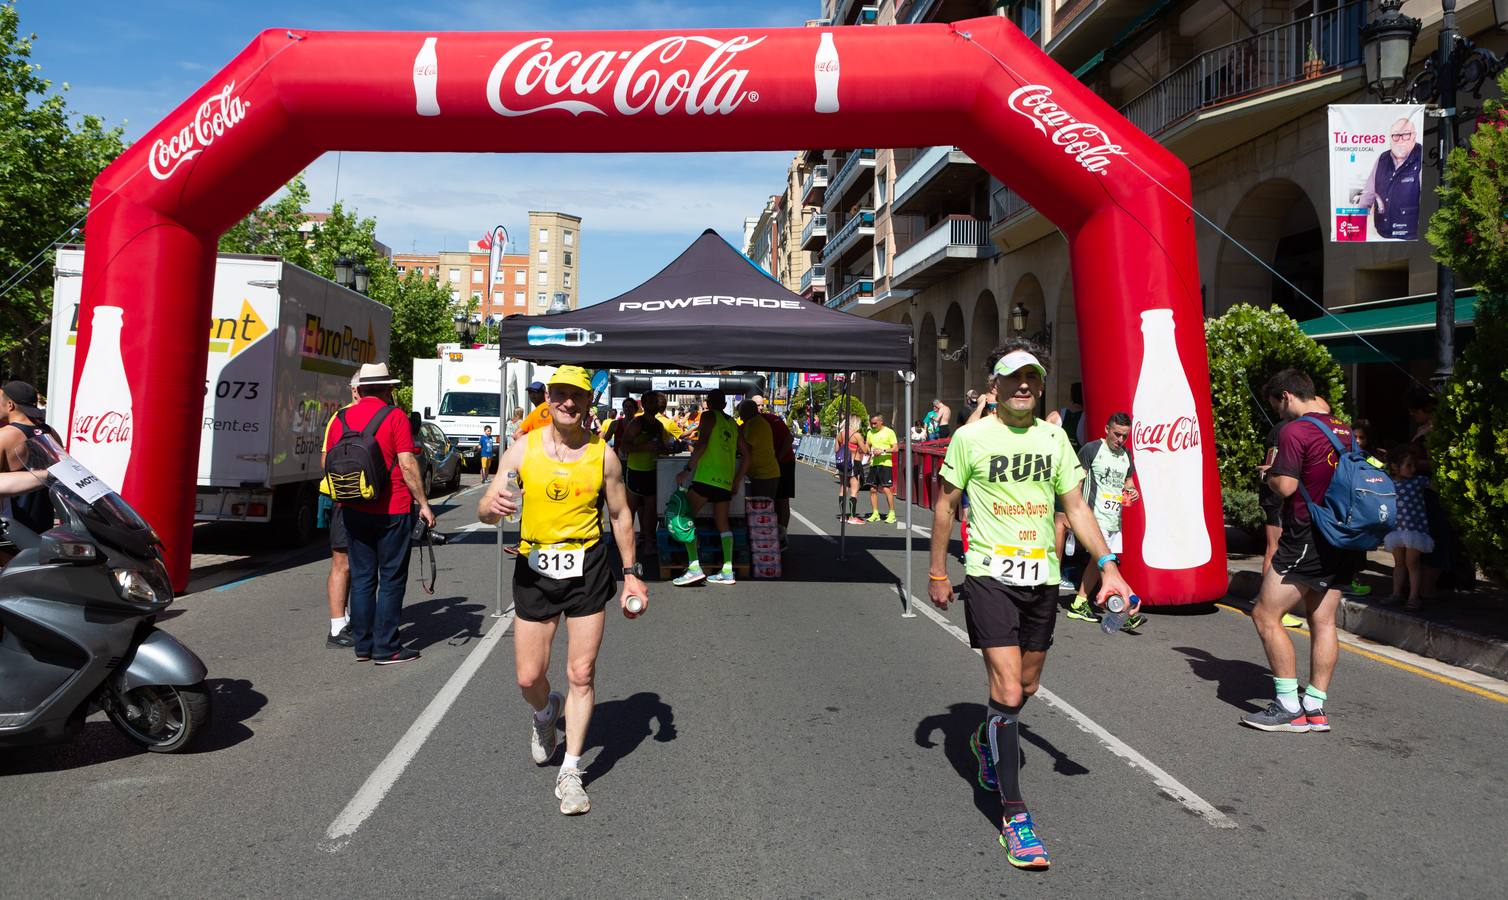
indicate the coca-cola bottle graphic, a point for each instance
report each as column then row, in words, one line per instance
column 826, row 67
column 1168, row 452
column 100, row 432
column 427, row 79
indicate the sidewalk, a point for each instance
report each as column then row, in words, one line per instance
column 1465, row 628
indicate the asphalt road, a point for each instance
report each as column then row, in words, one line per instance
column 797, row 738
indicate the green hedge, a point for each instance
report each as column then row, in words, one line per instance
column 1247, row 346
column 834, row 408
column 1469, row 443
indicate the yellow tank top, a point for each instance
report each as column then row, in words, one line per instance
column 560, row 498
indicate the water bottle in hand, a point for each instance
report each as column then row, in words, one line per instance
column 510, row 480
column 1117, row 610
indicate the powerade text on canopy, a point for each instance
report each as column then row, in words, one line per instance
column 709, row 300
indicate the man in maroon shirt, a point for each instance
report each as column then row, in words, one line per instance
column 1304, row 567
column 785, row 454
column 378, row 531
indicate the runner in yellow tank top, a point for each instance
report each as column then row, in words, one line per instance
column 564, row 567
column 716, row 469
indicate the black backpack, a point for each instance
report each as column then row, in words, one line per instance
column 355, row 469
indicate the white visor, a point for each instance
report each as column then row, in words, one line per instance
column 1017, row 360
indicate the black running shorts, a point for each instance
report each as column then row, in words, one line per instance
column 999, row 615
column 764, row 487
column 1305, row 560
column 641, row 484
column 787, row 479
column 711, row 494
column 338, row 539
column 881, row 476
column 539, row 598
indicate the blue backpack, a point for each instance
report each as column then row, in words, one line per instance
column 1361, row 505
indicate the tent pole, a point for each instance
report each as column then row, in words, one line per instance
column 906, row 612
column 504, row 400
column 843, row 479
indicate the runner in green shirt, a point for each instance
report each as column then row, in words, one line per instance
column 717, row 467
column 1109, row 484
column 882, row 442
column 1013, row 466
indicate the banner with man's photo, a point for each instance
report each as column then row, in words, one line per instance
column 1376, row 169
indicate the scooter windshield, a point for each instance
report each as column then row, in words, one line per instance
column 96, row 504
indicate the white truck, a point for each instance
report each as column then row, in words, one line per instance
column 460, row 393
column 282, row 346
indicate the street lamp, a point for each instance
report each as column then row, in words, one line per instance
column 1456, row 65
column 943, row 339
column 362, row 277
column 1019, row 316
column 343, row 271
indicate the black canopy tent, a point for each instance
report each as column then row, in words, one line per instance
column 712, row 309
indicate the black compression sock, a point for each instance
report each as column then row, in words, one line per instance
column 1002, row 729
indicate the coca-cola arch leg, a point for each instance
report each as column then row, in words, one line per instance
column 290, row 96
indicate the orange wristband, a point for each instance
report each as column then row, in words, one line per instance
column 936, row 578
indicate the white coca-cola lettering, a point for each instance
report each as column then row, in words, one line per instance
column 108, row 428
column 712, row 88
column 1181, row 434
column 216, row 115
column 1086, row 142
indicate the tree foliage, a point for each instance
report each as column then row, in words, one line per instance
column 1469, row 230
column 831, row 419
column 805, row 395
column 49, row 158
column 1247, row 346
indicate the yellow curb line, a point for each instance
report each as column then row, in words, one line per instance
column 1407, row 667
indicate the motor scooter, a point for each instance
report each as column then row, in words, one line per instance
column 78, row 605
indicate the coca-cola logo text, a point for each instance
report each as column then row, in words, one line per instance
column 106, row 428
column 1158, row 437
column 1086, row 142
column 217, row 115
column 705, row 87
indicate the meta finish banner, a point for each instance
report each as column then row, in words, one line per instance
column 1376, row 167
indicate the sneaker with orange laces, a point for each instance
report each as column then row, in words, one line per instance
column 1023, row 848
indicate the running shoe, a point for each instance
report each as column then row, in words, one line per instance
column 1133, row 622
column 723, row 577
column 543, row 735
column 689, row 577
column 1081, row 609
column 987, row 778
column 855, row 520
column 1357, row 589
column 1023, row 848
column 874, row 515
column 1318, row 721
column 572, row 796
column 1276, row 718
column 1292, row 621
column 890, row 518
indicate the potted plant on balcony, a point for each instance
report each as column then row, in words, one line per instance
column 1313, row 63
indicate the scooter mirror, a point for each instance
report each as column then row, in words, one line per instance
column 64, row 545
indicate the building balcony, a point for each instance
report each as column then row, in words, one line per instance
column 861, row 291
column 813, row 280
column 937, row 180
column 814, row 235
column 851, row 241
column 1014, row 222
column 845, row 12
column 913, row 12
column 869, row 15
column 1081, row 28
column 847, row 186
column 1273, row 67
column 954, row 245
column 814, row 186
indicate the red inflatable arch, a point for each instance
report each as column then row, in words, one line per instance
column 290, row 96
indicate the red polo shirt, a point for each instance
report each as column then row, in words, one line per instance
column 394, row 437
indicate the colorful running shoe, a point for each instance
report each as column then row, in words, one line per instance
column 1133, row 622
column 987, row 778
column 1023, row 848
column 874, row 515
column 890, row 518
column 1276, row 718
column 1082, row 610
column 1318, row 721
column 855, row 520
column 689, row 577
column 1357, row 589
column 1292, row 621
column 723, row 577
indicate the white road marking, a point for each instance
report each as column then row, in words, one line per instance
column 813, row 526
column 387, row 773
column 475, row 526
column 1169, row 785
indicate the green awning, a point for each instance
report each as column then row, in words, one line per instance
column 1385, row 319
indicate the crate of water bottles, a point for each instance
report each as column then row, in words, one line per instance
column 764, row 537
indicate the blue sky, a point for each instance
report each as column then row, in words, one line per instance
column 131, row 63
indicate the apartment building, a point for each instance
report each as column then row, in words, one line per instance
column 554, row 258
column 1238, row 89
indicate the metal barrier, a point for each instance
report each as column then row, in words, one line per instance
column 818, row 451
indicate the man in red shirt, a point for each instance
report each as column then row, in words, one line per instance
column 1304, row 567
column 378, row 531
column 785, row 454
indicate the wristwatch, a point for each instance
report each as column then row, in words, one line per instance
column 637, row 570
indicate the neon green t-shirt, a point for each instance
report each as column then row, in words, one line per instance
column 1012, row 476
column 882, row 440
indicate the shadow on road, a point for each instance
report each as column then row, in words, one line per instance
column 1236, row 680
column 620, row 726
column 455, row 620
column 232, row 702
